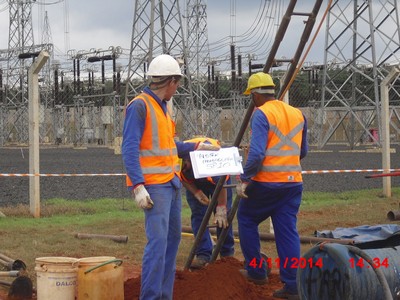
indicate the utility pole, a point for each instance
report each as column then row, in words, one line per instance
column 34, row 163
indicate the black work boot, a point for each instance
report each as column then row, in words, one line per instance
column 285, row 293
column 251, row 279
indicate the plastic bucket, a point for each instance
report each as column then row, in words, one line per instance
column 56, row 278
column 334, row 272
column 100, row 278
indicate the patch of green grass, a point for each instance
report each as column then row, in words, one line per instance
column 315, row 199
column 54, row 233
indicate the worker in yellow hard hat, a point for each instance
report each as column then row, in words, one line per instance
column 271, row 184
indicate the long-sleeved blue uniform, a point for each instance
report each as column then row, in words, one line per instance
column 163, row 221
column 278, row 200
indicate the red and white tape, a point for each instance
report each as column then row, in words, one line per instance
column 123, row 174
column 349, row 171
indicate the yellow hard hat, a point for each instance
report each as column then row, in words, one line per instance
column 206, row 140
column 260, row 80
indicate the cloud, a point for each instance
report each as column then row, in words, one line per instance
column 98, row 24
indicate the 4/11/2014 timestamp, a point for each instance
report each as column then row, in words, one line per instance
column 375, row 263
column 292, row 263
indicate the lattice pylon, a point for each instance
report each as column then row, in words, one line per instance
column 20, row 40
column 362, row 41
column 204, row 119
column 157, row 28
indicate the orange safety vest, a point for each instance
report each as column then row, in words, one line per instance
column 158, row 155
column 282, row 154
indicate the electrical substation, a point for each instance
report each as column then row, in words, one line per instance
column 83, row 91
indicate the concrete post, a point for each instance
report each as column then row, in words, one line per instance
column 34, row 181
column 385, row 138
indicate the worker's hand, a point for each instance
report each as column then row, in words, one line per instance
column 220, row 217
column 209, row 147
column 142, row 197
column 201, row 197
column 241, row 189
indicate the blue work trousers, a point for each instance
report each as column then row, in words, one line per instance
column 163, row 232
column 205, row 247
column 282, row 205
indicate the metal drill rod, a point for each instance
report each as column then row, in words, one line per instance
column 204, row 222
column 9, row 273
column 224, row 232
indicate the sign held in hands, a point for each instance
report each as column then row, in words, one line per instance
column 225, row 161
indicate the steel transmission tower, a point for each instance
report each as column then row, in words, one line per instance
column 20, row 40
column 204, row 114
column 47, row 41
column 157, row 28
column 362, row 42
column 20, row 46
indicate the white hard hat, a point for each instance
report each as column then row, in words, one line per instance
column 164, row 65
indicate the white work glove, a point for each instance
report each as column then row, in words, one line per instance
column 201, row 197
column 209, row 147
column 241, row 189
column 220, row 217
column 142, row 197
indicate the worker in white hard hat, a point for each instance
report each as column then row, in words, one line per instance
column 150, row 156
column 271, row 184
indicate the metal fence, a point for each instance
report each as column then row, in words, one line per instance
column 98, row 119
column 82, row 123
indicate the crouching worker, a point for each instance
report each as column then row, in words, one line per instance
column 198, row 194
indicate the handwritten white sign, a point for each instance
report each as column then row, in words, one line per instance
column 226, row 161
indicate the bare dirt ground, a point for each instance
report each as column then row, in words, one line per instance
column 221, row 278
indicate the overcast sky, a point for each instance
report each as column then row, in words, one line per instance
column 101, row 24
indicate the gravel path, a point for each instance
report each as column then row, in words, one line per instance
column 15, row 190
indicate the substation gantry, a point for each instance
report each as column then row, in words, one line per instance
column 362, row 44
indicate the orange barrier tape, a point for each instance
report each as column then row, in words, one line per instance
column 123, row 174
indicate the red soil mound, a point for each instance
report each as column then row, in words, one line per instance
column 219, row 280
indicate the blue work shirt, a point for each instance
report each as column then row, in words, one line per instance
column 135, row 119
column 258, row 142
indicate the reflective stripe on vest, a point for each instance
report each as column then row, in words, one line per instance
column 277, row 150
column 155, row 140
column 282, row 155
